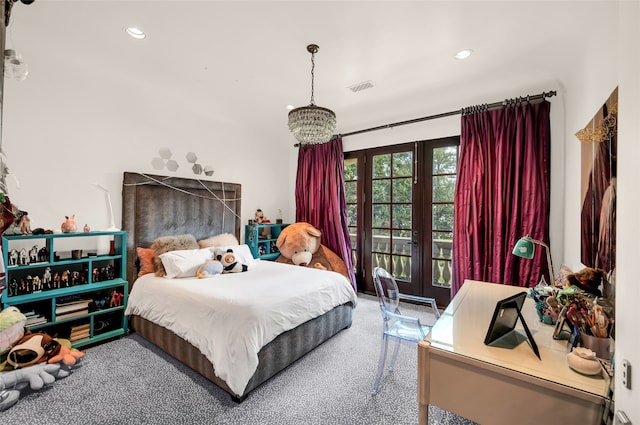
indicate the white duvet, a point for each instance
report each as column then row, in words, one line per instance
column 230, row 317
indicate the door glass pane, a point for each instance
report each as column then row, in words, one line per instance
column 381, row 166
column 441, row 271
column 381, row 190
column 351, row 197
column 351, row 191
column 381, row 215
column 443, row 188
column 351, row 169
column 401, row 242
column 443, row 216
column 402, row 189
column 402, row 216
column 401, row 266
column 402, row 164
column 445, row 160
column 352, row 215
column 381, row 240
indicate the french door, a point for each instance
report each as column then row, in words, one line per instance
column 400, row 211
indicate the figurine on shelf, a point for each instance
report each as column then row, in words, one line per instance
column 260, row 218
column 64, row 279
column 46, row 278
column 43, row 255
column 24, row 258
column 36, row 284
column 69, row 225
column 33, row 254
column 13, row 257
column 86, row 228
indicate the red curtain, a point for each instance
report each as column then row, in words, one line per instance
column 502, row 193
column 320, row 197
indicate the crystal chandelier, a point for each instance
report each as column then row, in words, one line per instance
column 312, row 124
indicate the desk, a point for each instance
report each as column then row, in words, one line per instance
column 490, row 385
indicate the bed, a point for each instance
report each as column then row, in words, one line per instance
column 318, row 303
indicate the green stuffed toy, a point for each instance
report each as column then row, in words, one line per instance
column 12, row 323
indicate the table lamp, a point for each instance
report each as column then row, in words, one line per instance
column 525, row 248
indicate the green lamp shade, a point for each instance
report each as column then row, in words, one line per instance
column 524, row 248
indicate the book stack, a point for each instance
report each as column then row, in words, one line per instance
column 70, row 309
column 34, row 318
column 80, row 332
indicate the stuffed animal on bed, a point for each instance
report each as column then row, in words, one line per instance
column 210, row 268
column 299, row 244
column 230, row 263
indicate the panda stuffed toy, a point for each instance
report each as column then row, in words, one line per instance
column 230, row 263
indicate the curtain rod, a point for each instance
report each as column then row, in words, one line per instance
column 506, row 102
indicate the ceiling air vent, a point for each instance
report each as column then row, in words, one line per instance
column 361, row 86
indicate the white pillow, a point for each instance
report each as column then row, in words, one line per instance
column 184, row 263
column 242, row 253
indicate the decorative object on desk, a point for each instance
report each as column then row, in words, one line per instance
column 546, row 304
column 107, row 197
column 501, row 332
column 598, row 345
column 312, row 124
column 525, row 248
column 299, row 244
column 584, row 361
column 588, row 279
column 69, row 224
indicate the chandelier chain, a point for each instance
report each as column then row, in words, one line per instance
column 313, row 66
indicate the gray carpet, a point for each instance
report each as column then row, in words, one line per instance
column 129, row 381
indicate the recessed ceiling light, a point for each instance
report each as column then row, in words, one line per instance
column 136, row 33
column 464, row 54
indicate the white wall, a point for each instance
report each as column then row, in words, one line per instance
column 628, row 235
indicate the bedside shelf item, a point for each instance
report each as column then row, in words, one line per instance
column 261, row 239
column 71, row 285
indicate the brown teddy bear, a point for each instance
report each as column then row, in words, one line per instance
column 299, row 244
column 588, row 279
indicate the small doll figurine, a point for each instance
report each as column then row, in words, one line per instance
column 259, row 216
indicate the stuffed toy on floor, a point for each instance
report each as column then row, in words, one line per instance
column 299, row 244
column 29, row 360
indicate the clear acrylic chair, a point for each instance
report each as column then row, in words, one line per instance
column 396, row 326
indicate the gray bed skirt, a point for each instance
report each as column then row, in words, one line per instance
column 272, row 358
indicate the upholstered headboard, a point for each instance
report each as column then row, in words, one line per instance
column 154, row 206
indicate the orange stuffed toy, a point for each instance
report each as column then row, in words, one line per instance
column 66, row 355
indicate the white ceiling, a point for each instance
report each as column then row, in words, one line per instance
column 224, row 61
